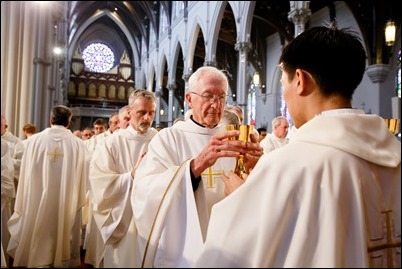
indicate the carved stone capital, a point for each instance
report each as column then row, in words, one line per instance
column 378, row 72
column 210, row 63
column 300, row 16
column 185, row 77
column 171, row 86
column 243, row 46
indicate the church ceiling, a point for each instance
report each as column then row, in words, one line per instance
column 137, row 17
column 270, row 16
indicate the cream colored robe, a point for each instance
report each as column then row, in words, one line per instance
column 7, row 188
column 51, row 192
column 93, row 242
column 16, row 151
column 323, row 200
column 111, row 182
column 272, row 142
column 7, row 174
column 176, row 238
column 16, row 148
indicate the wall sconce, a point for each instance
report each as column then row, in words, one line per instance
column 257, row 85
column 390, row 30
column 57, row 50
column 256, row 79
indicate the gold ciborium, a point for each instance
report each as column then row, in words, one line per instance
column 393, row 125
column 245, row 131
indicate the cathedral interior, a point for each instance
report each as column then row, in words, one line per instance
column 135, row 30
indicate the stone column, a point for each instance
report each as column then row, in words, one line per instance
column 378, row 72
column 62, row 41
column 299, row 14
column 242, row 89
column 158, row 94
column 210, row 63
column 380, row 93
column 185, row 77
column 40, row 75
column 171, row 88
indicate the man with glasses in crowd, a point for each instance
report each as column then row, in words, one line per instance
column 178, row 180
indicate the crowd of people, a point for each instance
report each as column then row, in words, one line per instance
column 133, row 196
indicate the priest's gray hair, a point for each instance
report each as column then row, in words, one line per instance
column 230, row 117
column 277, row 121
column 60, row 115
column 121, row 111
column 141, row 93
column 193, row 81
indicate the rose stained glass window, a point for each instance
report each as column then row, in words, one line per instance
column 98, row 57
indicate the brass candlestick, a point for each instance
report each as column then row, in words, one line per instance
column 245, row 131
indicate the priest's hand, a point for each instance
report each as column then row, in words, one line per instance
column 223, row 145
column 219, row 146
column 233, row 182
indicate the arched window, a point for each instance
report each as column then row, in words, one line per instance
column 177, row 9
column 152, row 37
column 251, row 104
column 98, row 57
column 143, row 47
column 163, row 21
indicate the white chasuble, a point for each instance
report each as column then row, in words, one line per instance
column 111, row 183
column 50, row 195
column 327, row 199
column 170, row 217
column 16, row 149
column 7, row 193
column 7, row 174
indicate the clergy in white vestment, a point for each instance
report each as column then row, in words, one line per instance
column 16, row 149
column 100, row 133
column 331, row 198
column 277, row 138
column 178, row 180
column 124, row 117
column 111, row 176
column 94, row 254
column 7, row 188
column 46, row 225
column 113, row 123
column 93, row 239
column 7, row 174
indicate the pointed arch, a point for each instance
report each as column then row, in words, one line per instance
column 74, row 38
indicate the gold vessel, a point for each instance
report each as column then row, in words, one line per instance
column 393, row 125
column 245, row 131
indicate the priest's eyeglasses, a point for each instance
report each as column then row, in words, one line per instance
column 211, row 98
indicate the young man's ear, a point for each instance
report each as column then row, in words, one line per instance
column 305, row 82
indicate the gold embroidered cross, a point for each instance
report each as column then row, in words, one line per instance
column 390, row 243
column 54, row 154
column 210, row 174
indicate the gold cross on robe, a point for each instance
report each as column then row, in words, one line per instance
column 55, row 154
column 386, row 246
column 210, row 176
